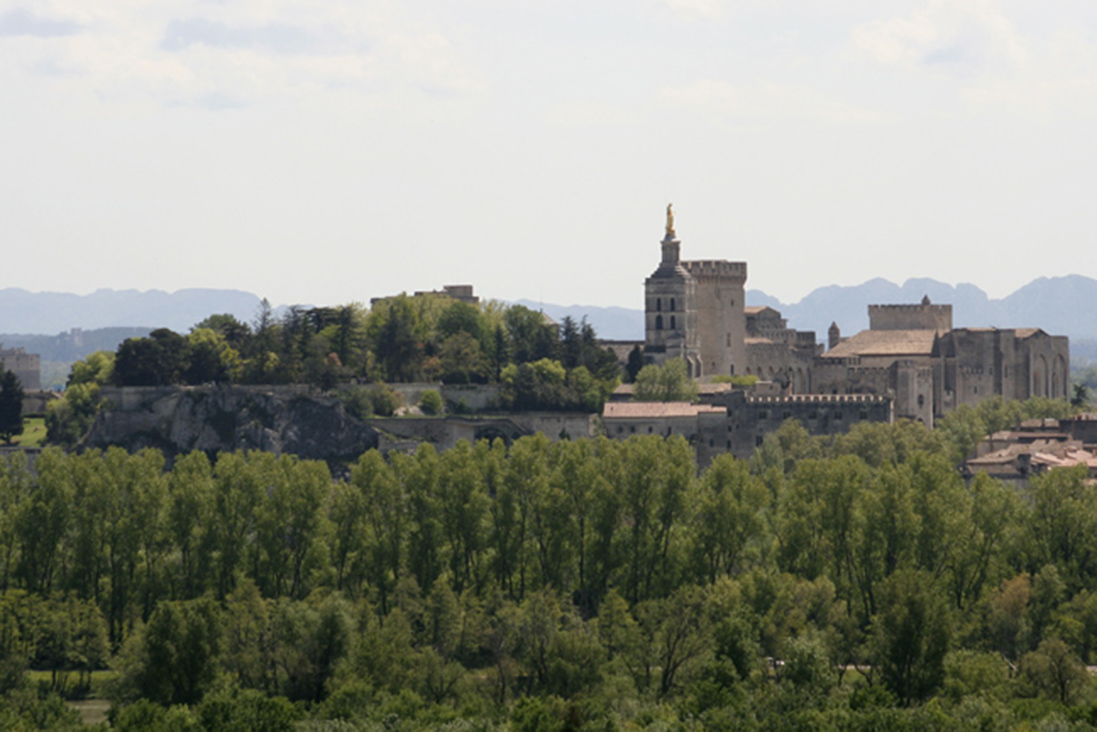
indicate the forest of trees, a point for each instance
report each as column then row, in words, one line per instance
column 853, row 582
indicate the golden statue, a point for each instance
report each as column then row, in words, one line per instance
column 670, row 221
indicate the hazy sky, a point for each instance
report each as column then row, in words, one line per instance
column 327, row 151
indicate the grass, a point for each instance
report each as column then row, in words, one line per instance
column 92, row 707
column 34, row 433
column 99, row 680
column 92, row 711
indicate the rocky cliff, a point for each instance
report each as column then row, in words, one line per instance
column 293, row 420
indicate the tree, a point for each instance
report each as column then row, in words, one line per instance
column 912, row 636
column 174, row 659
column 667, row 383
column 1054, row 672
column 430, row 402
column 462, row 360
column 635, row 363
column 11, row 406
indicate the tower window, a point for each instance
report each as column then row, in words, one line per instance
column 658, row 304
column 658, row 322
column 672, row 308
column 672, row 326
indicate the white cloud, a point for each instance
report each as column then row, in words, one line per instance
column 19, row 22
column 702, row 8
column 184, row 53
column 766, row 101
column 589, row 114
column 952, row 34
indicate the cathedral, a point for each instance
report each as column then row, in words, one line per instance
column 695, row 310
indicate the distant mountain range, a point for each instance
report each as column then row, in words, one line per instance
column 53, row 312
column 1059, row 305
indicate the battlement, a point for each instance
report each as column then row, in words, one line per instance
column 805, row 338
column 923, row 316
column 716, row 268
column 858, row 399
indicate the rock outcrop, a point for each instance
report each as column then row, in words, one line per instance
column 294, row 420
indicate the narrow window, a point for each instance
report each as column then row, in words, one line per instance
column 672, row 326
column 658, row 304
column 658, row 322
column 672, row 308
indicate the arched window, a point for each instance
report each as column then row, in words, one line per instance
column 672, row 326
column 658, row 304
column 658, row 322
column 672, row 305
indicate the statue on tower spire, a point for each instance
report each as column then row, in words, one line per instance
column 670, row 221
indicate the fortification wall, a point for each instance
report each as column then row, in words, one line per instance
column 910, row 317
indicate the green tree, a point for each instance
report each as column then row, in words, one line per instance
column 530, row 337
column 911, row 637
column 431, row 403
column 635, row 363
column 1054, row 672
column 11, row 406
column 462, row 361
column 727, row 518
column 667, row 383
column 173, row 660
column 95, row 368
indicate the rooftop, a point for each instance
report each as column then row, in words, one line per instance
column 885, row 343
column 657, row 410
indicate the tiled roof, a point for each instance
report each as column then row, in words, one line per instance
column 654, row 410
column 707, row 387
column 885, row 343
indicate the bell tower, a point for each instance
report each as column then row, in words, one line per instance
column 670, row 308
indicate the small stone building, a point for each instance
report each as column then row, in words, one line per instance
column 26, row 367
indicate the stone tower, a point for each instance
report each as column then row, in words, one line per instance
column 670, row 309
column 721, row 316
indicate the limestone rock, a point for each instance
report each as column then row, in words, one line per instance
column 294, row 420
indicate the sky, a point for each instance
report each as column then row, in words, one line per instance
column 330, row 152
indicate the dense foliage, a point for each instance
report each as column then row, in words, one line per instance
column 846, row 583
column 401, row 339
column 540, row 365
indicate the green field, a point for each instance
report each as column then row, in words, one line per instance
column 34, row 433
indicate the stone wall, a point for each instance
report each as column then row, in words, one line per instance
column 910, row 317
column 750, row 419
column 26, row 366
